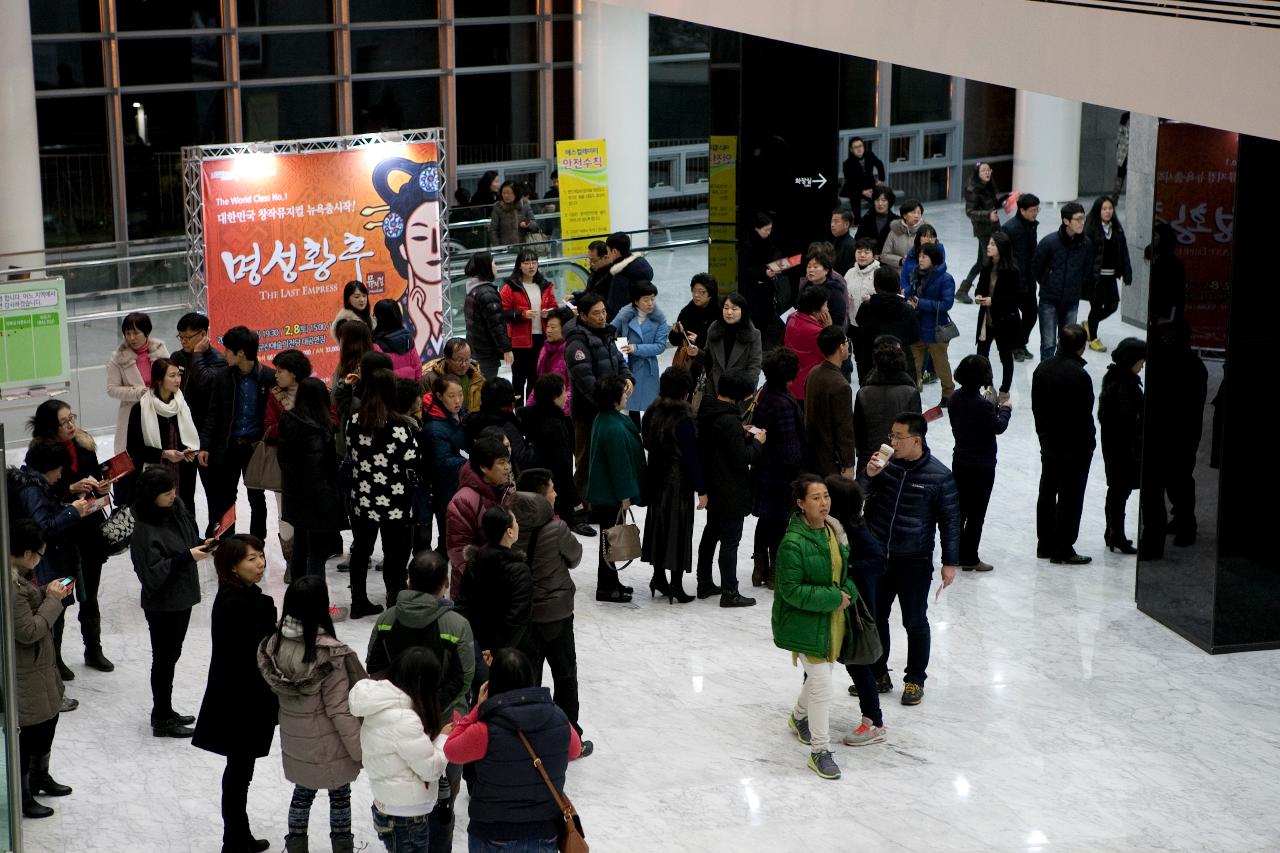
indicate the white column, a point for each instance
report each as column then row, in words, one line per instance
column 22, row 230
column 1046, row 147
column 612, row 102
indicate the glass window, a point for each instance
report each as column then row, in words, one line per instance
column 919, row 96
column 496, row 44
column 935, row 146
column 562, row 41
column 295, row 112
column 75, row 171
column 927, row 185
column 261, row 13
column 857, row 92
column 65, row 16
column 988, row 120
column 169, row 15
column 678, row 102
column 495, row 8
column 402, row 104
column 562, row 110
column 662, row 173
column 67, row 65
column 156, row 126
column 373, row 51
column 170, row 60
column 497, row 117
column 286, row 55
column 394, row 10
column 668, row 36
column 900, row 148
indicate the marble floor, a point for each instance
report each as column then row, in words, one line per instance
column 1056, row 718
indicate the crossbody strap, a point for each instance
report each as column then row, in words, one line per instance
column 537, row 762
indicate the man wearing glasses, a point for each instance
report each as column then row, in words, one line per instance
column 1063, row 266
column 457, row 363
column 199, row 363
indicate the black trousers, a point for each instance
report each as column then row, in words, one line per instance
column 552, row 643
column 235, row 799
column 727, row 530
column 33, row 742
column 768, row 536
column 1105, row 301
column 310, row 552
column 1117, row 499
column 607, row 580
column 187, row 474
column 1030, row 309
column 168, row 629
column 1061, row 501
column 397, row 547
column 524, row 368
column 230, row 468
column 973, row 485
column 1006, row 362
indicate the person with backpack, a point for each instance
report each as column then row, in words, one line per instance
column 552, row 550
column 311, row 673
column 423, row 617
column 402, row 741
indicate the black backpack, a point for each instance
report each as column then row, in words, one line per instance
column 397, row 638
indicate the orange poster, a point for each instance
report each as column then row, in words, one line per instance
column 285, row 233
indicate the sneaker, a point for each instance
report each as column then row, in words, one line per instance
column 865, row 734
column 884, row 684
column 1097, row 345
column 824, row 764
column 587, row 748
column 912, row 694
column 338, row 614
column 801, row 728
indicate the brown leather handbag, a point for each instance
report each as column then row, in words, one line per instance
column 572, row 839
column 682, row 358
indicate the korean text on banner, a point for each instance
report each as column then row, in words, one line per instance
column 723, row 252
column 584, row 192
column 34, row 351
column 285, row 233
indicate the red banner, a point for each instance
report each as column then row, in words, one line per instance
column 284, row 233
column 1196, row 195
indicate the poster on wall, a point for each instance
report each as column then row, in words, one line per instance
column 34, row 351
column 584, row 192
column 1196, row 195
column 722, row 255
column 284, row 234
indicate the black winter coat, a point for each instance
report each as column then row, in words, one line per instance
column 160, row 549
column 1062, row 402
column 746, row 353
column 549, row 432
column 979, row 200
column 1119, row 245
column 975, row 423
column 199, row 370
column 522, row 456
column 1022, row 237
column 497, row 597
column 631, row 269
column 879, row 400
column 867, row 230
column 1001, row 322
column 591, row 355
column 1063, row 267
column 486, row 330
column 907, row 500
column 861, row 176
column 215, row 433
column 1121, row 408
column 239, row 712
column 885, row 314
column 727, row 452
column 311, row 495
column 673, row 476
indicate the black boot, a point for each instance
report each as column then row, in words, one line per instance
column 58, row 627
column 769, row 573
column 675, row 589
column 94, row 657
column 760, row 568
column 30, row 806
column 42, row 782
column 658, row 584
column 962, row 294
column 91, row 632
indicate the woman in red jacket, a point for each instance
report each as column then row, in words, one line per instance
column 811, row 316
column 524, row 322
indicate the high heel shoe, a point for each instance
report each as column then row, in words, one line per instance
column 676, row 594
column 658, row 587
column 1118, row 543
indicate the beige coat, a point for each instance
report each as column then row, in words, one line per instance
column 898, row 245
column 124, row 383
column 34, row 665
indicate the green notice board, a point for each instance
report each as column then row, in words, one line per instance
column 33, row 334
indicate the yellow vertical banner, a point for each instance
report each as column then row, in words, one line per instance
column 584, row 192
column 722, row 256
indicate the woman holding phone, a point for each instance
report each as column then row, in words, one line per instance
column 161, row 429
column 165, row 549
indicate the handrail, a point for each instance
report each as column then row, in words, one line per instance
column 98, row 262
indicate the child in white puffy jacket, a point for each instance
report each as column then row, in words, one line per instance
column 402, row 740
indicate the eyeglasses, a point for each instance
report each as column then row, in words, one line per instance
column 69, row 419
column 893, row 437
column 1079, row 217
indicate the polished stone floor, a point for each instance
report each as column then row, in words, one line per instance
column 1056, row 717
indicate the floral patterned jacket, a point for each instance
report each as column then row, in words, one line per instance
column 384, row 470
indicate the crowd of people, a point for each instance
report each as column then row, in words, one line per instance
column 481, row 489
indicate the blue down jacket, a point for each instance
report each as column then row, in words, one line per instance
column 907, row 500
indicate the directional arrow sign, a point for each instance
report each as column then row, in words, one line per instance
column 807, row 182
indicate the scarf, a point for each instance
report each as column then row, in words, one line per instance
column 142, row 358
column 70, row 445
column 153, row 408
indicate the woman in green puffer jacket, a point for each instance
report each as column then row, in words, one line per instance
column 812, row 591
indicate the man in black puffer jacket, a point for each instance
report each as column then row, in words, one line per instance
column 909, row 496
column 591, row 355
column 486, row 330
column 1021, row 229
column 627, row 268
column 1063, row 267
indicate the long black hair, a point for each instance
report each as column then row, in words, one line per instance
column 1093, row 222
column 149, row 485
column 350, row 288
column 1004, row 246
column 387, row 317
column 741, row 301
column 311, row 403
column 44, row 425
column 416, row 672
column 510, row 670
column 307, row 600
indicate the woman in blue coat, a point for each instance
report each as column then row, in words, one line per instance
column 932, row 292
column 442, row 427
column 644, row 327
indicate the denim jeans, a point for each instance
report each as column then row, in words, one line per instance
column 908, row 580
column 518, row 845
column 1053, row 316
column 402, row 834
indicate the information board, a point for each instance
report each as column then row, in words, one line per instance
column 584, row 192
column 33, row 334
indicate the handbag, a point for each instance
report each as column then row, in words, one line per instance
column 263, row 471
column 682, row 358
column 117, row 531
column 622, row 541
column 572, row 839
column 861, row 643
column 944, row 332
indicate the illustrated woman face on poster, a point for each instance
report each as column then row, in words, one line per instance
column 411, row 230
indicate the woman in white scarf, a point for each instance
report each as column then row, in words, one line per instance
column 161, row 430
